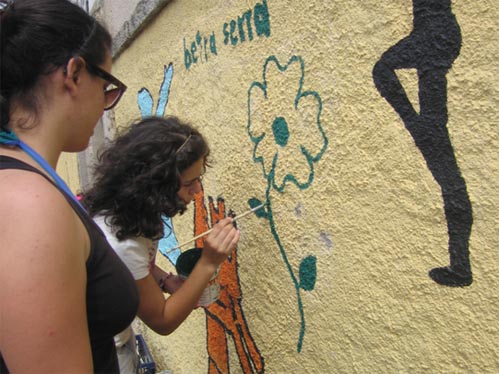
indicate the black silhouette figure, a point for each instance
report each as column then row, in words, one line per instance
column 431, row 48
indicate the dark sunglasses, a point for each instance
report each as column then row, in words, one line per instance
column 114, row 91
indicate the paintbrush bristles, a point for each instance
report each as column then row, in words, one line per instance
column 210, row 230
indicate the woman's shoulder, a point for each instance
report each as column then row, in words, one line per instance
column 33, row 209
column 22, row 190
column 43, row 257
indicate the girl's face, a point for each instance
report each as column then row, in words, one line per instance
column 190, row 181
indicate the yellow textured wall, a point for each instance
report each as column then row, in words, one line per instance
column 67, row 168
column 366, row 210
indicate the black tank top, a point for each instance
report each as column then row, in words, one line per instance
column 112, row 296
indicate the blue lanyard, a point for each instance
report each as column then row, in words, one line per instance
column 9, row 138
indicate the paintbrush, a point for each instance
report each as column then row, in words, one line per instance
column 210, row 230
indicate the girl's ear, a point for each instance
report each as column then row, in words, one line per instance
column 72, row 72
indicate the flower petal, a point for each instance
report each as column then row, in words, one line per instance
column 284, row 124
column 292, row 166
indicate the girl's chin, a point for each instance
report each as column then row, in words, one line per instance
column 187, row 201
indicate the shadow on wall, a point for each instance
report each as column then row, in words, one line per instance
column 431, row 48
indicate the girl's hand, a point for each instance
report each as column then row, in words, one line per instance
column 170, row 283
column 220, row 242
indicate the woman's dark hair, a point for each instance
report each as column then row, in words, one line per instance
column 37, row 37
column 137, row 176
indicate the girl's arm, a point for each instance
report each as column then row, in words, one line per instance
column 44, row 246
column 165, row 315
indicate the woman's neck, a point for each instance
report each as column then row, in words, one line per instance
column 41, row 137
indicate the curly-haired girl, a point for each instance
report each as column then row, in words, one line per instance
column 153, row 170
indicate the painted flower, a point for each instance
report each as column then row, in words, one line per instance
column 284, row 124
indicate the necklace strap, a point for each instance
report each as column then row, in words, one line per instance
column 10, row 138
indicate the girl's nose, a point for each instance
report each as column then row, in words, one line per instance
column 196, row 187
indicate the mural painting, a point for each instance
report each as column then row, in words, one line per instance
column 253, row 22
column 345, row 268
column 431, row 48
column 295, row 132
column 225, row 317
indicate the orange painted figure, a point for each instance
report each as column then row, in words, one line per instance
column 225, row 317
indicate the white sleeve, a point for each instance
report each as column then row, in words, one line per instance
column 135, row 256
column 133, row 252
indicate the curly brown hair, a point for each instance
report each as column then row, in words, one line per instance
column 137, row 176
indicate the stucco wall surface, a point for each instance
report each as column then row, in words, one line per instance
column 367, row 189
column 67, row 168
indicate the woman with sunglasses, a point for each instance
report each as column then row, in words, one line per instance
column 64, row 293
column 151, row 171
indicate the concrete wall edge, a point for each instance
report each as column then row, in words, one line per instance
column 144, row 12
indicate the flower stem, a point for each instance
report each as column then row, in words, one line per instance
column 288, row 266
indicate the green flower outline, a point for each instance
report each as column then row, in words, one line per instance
column 310, row 158
column 308, row 270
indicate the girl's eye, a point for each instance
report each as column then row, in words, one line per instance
column 191, row 183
